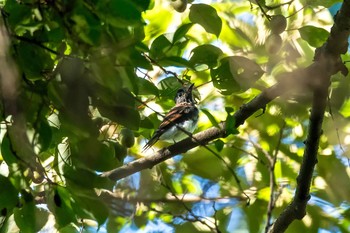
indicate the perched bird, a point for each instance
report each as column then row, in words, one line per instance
column 182, row 117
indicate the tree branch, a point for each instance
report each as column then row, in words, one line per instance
column 329, row 55
column 315, row 76
column 297, row 79
column 9, row 86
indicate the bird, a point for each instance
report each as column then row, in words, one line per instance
column 179, row 121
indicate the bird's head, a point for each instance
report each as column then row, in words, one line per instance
column 184, row 95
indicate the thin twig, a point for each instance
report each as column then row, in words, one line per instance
column 262, row 10
column 35, row 42
column 249, row 153
column 272, row 200
column 215, row 219
column 279, row 5
column 161, row 67
column 189, row 210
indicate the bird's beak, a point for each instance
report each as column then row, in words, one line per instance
column 189, row 93
column 189, row 90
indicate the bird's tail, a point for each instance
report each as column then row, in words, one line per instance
column 150, row 143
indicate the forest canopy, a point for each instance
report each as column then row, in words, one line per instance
column 85, row 84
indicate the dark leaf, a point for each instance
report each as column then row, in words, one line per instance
column 206, row 54
column 8, row 193
column 168, row 87
column 160, row 46
column 207, row 17
column 181, row 31
column 129, row 117
column 146, row 87
column 235, row 74
column 174, row 61
column 7, row 152
column 96, row 155
column 33, row 68
column 219, row 145
column 231, row 125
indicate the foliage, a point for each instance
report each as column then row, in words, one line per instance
column 94, row 80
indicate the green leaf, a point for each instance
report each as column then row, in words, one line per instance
column 33, row 68
column 207, row 165
column 18, row 14
column 326, row 4
column 7, row 152
column 229, row 110
column 231, row 125
column 223, row 79
column 86, row 25
column 138, row 60
column 86, row 178
column 146, row 87
column 8, row 194
column 59, row 203
column 210, row 117
column 99, row 156
column 25, row 217
column 160, row 46
column 129, row 117
column 219, row 145
column 168, row 87
column 97, row 208
column 45, row 134
column 174, row 61
column 181, row 31
column 146, row 123
column 29, row 217
column 207, row 17
column 244, row 71
column 315, row 36
column 345, row 109
column 122, row 13
column 118, row 107
column 41, row 218
column 235, row 74
column 206, row 54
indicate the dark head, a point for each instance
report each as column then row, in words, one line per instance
column 184, row 95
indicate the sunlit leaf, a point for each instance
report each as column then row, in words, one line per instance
column 207, row 166
column 25, row 217
column 210, row 117
column 313, row 35
column 322, row 3
column 345, row 108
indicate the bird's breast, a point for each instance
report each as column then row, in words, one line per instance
column 174, row 134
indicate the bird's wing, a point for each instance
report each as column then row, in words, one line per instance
column 174, row 116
